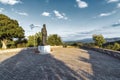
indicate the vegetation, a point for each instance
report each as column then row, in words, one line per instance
column 112, row 46
column 21, row 43
column 31, row 41
column 35, row 40
column 64, row 45
column 116, row 46
column 38, row 38
column 12, row 36
column 73, row 44
column 99, row 40
column 54, row 40
column 9, row 29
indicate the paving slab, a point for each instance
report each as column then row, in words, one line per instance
column 61, row 64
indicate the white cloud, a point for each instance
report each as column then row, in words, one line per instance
column 107, row 31
column 81, row 4
column 118, row 5
column 111, row 1
column 59, row 15
column 19, row 12
column 107, row 14
column 46, row 14
column 116, row 24
column 10, row 2
column 1, row 10
column 22, row 13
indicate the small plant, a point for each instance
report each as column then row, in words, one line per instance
column 64, row 45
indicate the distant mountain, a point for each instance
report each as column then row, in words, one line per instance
column 113, row 39
column 89, row 40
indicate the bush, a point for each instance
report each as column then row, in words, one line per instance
column 89, row 44
column 54, row 40
column 21, row 45
column 11, row 46
column 64, row 45
column 116, row 46
column 0, row 45
column 30, row 45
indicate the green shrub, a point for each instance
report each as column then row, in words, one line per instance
column 64, row 45
column 116, row 46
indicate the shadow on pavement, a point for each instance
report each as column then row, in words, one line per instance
column 27, row 65
column 104, row 67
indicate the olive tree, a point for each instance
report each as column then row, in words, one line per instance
column 9, row 29
column 99, row 40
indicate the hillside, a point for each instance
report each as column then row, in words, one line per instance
column 89, row 40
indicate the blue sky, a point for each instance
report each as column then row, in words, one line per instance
column 71, row 19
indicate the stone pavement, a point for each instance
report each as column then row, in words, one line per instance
column 61, row 64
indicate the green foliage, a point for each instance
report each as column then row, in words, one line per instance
column 11, row 44
column 74, row 44
column 0, row 45
column 116, row 46
column 54, row 39
column 35, row 40
column 38, row 38
column 88, row 44
column 31, row 41
column 21, row 43
column 65, row 45
column 109, row 46
column 99, row 40
column 9, row 29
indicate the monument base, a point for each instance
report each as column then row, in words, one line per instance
column 44, row 49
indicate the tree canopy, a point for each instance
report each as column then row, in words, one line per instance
column 54, row 39
column 31, row 41
column 9, row 29
column 35, row 40
column 99, row 40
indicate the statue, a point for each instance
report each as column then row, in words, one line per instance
column 44, row 48
column 44, row 35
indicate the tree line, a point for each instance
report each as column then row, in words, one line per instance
column 99, row 42
column 36, row 40
column 12, row 35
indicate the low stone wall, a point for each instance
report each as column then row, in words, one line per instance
column 56, row 46
column 113, row 53
column 11, row 50
column 15, row 50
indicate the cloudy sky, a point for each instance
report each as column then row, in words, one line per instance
column 71, row 19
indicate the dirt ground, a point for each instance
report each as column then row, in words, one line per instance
column 61, row 64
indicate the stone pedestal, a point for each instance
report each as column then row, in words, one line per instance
column 44, row 49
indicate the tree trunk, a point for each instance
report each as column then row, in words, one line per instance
column 4, row 44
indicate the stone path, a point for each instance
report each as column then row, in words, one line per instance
column 61, row 64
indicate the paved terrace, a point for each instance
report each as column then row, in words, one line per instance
column 61, row 64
